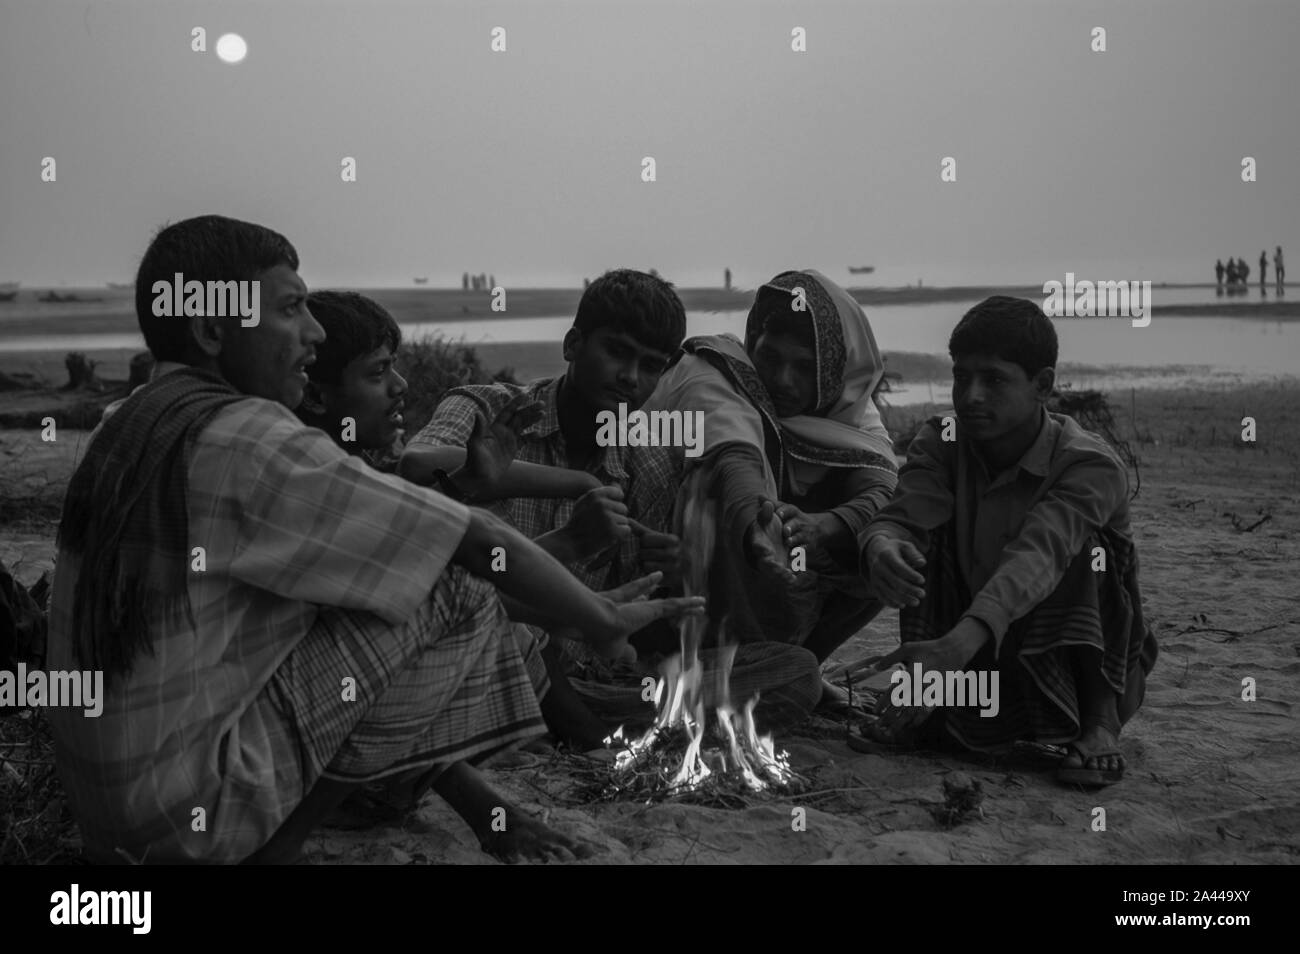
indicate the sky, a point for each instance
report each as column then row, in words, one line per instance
column 527, row 164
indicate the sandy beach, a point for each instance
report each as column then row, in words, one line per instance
column 1211, row 779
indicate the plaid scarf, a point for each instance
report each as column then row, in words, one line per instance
column 125, row 515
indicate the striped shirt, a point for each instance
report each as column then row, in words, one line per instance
column 289, row 525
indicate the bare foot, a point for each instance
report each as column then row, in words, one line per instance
column 504, row 830
column 527, row 839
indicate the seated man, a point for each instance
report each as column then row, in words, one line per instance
column 355, row 394
column 627, row 327
column 277, row 622
column 1008, row 549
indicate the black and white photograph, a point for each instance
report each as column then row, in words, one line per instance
column 650, row 433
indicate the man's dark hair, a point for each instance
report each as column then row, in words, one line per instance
column 354, row 327
column 1011, row 329
column 643, row 306
column 206, row 248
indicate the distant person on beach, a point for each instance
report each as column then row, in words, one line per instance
column 464, row 281
column 223, row 680
column 1232, row 271
column 1009, row 549
column 1218, row 271
column 1243, row 271
column 796, row 457
column 613, row 525
column 1279, row 270
column 726, row 276
column 1263, row 266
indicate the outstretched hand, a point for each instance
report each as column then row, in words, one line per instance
column 808, row 530
column 599, row 521
column 765, row 549
column 950, row 653
column 492, row 446
column 632, row 612
column 660, row 552
column 894, row 571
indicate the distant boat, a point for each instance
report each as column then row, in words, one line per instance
column 8, row 291
column 421, row 281
column 121, row 285
column 861, row 269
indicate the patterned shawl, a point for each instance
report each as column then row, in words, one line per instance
column 715, row 374
column 125, row 515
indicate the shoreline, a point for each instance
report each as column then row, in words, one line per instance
column 114, row 311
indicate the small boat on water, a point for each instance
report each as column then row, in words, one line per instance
column 120, row 285
column 421, row 281
column 8, row 291
column 861, row 269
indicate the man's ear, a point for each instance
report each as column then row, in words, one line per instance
column 572, row 343
column 313, row 399
column 1044, row 381
column 207, row 334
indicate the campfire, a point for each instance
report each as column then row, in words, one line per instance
column 685, row 751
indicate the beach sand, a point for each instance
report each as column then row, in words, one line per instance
column 1211, row 779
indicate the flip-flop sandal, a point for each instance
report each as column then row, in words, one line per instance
column 1036, row 754
column 866, row 739
column 1089, row 777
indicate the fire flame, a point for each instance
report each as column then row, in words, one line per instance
column 680, row 698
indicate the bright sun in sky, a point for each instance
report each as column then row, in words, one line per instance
column 231, row 47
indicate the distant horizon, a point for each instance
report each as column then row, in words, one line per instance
column 559, row 285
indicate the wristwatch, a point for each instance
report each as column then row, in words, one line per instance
column 442, row 480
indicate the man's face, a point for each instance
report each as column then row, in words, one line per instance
column 788, row 369
column 993, row 397
column 609, row 368
column 267, row 360
column 372, row 393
